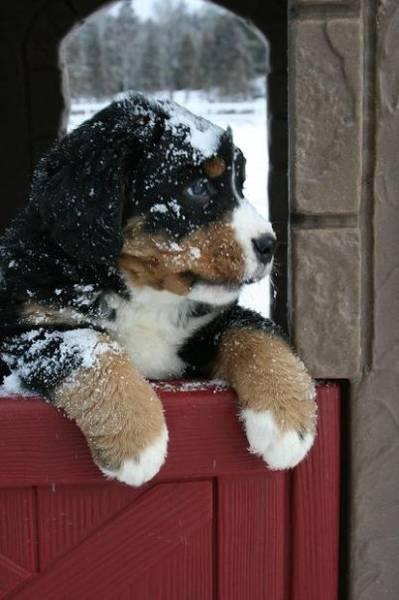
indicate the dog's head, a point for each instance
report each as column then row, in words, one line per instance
column 149, row 187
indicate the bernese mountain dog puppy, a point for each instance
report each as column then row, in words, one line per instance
column 127, row 264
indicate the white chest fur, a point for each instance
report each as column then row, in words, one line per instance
column 151, row 328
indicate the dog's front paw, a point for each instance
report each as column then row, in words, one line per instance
column 142, row 467
column 279, row 448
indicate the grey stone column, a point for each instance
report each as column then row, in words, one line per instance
column 325, row 67
column 375, row 480
column 344, row 132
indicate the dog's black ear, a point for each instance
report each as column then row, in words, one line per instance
column 79, row 187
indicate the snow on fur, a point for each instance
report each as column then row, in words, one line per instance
column 49, row 353
column 202, row 135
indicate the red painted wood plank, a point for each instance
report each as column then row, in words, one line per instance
column 11, row 575
column 40, row 446
column 18, row 526
column 316, row 508
column 187, row 575
column 126, row 550
column 69, row 514
column 110, row 541
column 253, row 537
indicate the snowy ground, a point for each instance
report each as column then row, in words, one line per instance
column 248, row 121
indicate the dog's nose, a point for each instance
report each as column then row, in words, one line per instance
column 264, row 247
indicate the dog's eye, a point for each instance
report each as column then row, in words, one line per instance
column 199, row 190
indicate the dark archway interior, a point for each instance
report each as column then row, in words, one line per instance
column 33, row 105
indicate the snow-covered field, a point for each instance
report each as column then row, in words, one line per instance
column 248, row 121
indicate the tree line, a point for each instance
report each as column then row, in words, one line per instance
column 210, row 50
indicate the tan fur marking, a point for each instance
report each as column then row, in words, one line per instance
column 211, row 253
column 114, row 406
column 214, row 167
column 268, row 376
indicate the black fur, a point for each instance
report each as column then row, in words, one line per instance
column 199, row 352
column 113, row 167
column 41, row 358
column 62, row 250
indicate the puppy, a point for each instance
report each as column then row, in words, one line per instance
column 127, row 264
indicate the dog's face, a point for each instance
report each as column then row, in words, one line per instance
column 164, row 194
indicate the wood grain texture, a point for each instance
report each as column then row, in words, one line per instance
column 11, row 575
column 185, row 575
column 316, row 508
column 215, row 524
column 206, row 439
column 126, row 550
column 18, row 526
column 69, row 514
column 253, row 537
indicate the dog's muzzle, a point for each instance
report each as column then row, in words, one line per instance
column 257, row 239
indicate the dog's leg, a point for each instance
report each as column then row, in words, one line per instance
column 275, row 392
column 93, row 381
column 120, row 415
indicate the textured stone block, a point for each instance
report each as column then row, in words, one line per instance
column 326, row 93
column 375, row 411
column 326, row 300
column 375, row 486
column 386, row 211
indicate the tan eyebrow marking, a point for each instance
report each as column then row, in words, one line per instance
column 214, row 167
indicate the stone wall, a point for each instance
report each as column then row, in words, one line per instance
column 343, row 271
column 344, row 127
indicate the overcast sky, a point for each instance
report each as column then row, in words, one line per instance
column 145, row 8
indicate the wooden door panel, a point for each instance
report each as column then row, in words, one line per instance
column 126, row 549
column 214, row 524
column 316, row 509
column 186, row 575
column 11, row 576
column 253, row 536
column 69, row 514
column 18, row 526
column 18, row 550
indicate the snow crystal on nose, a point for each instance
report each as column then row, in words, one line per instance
column 202, row 135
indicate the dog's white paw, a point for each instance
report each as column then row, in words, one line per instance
column 143, row 467
column 279, row 449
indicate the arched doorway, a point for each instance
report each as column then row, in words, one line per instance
column 37, row 105
column 203, row 57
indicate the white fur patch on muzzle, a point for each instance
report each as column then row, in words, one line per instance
column 248, row 226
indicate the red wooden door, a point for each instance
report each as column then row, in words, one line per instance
column 214, row 525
